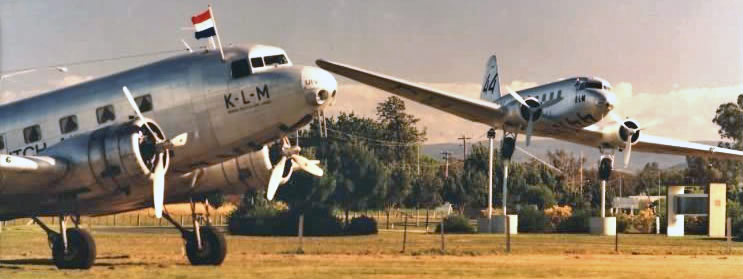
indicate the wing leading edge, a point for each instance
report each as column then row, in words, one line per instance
column 468, row 108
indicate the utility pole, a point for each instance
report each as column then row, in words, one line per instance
column 446, row 159
column 418, row 159
column 464, row 139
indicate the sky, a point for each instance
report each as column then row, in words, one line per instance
column 672, row 63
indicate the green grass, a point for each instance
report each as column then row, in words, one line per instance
column 141, row 254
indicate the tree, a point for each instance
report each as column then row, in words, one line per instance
column 399, row 128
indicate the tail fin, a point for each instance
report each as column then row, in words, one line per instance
column 491, row 84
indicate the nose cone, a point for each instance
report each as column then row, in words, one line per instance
column 319, row 85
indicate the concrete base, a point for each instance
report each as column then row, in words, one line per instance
column 498, row 224
column 603, row 226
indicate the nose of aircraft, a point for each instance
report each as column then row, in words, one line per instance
column 319, row 85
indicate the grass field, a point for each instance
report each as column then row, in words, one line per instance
column 158, row 253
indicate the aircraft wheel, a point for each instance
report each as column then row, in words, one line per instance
column 213, row 247
column 508, row 147
column 80, row 252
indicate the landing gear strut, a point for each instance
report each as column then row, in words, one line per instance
column 72, row 248
column 204, row 245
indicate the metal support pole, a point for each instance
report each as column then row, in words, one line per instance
column 505, row 186
column 491, row 135
column 603, row 198
column 616, row 241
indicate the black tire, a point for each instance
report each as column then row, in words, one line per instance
column 605, row 169
column 81, row 250
column 213, row 247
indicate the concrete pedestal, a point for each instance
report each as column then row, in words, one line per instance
column 603, row 226
column 498, row 224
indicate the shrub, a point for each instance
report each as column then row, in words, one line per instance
column 362, row 226
column 695, row 225
column 577, row 223
column 644, row 221
column 623, row 222
column 456, row 224
column 557, row 214
column 317, row 222
column 532, row 220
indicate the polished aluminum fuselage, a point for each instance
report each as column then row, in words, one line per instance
column 193, row 93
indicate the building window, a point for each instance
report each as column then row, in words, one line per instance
column 105, row 114
column 144, row 103
column 68, row 124
column 32, row 134
column 240, row 68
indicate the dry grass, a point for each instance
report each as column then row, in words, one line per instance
column 143, row 253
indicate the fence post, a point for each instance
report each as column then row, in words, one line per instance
column 404, row 233
column 114, row 220
column 300, row 227
column 138, row 220
column 443, row 241
column 508, row 234
column 616, row 241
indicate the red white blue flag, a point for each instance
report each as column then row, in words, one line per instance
column 204, row 24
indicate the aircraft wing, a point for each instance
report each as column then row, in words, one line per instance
column 29, row 174
column 468, row 108
column 654, row 144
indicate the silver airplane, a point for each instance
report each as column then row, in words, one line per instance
column 94, row 148
column 570, row 109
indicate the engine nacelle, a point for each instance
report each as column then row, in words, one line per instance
column 235, row 176
column 616, row 135
column 110, row 159
column 520, row 115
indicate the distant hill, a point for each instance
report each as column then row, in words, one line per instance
column 539, row 147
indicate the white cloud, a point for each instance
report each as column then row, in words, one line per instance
column 684, row 113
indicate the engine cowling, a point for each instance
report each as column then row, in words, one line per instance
column 110, row 159
column 235, row 176
column 518, row 114
column 617, row 135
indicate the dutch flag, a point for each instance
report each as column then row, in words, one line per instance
column 204, row 24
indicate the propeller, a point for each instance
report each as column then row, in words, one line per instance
column 630, row 133
column 162, row 146
column 533, row 111
column 298, row 162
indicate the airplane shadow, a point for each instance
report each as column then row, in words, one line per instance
column 14, row 263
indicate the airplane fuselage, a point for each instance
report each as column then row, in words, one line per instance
column 225, row 113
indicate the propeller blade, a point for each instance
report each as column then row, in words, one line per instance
column 517, row 96
column 628, row 151
column 310, row 166
column 158, row 187
column 538, row 159
column 275, row 180
column 529, row 129
column 130, row 98
column 179, row 140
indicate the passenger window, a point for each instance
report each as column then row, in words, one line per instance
column 240, row 68
column 32, row 134
column 144, row 103
column 68, row 124
column 559, row 94
column 257, row 62
column 275, row 59
column 105, row 114
column 544, row 97
column 552, row 95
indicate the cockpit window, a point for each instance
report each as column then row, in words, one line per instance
column 257, row 62
column 594, row 84
column 240, row 68
column 275, row 59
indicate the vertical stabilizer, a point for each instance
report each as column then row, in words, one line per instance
column 491, row 83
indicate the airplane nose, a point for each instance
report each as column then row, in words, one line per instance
column 319, row 85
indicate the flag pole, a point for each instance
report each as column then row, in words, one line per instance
column 216, row 32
